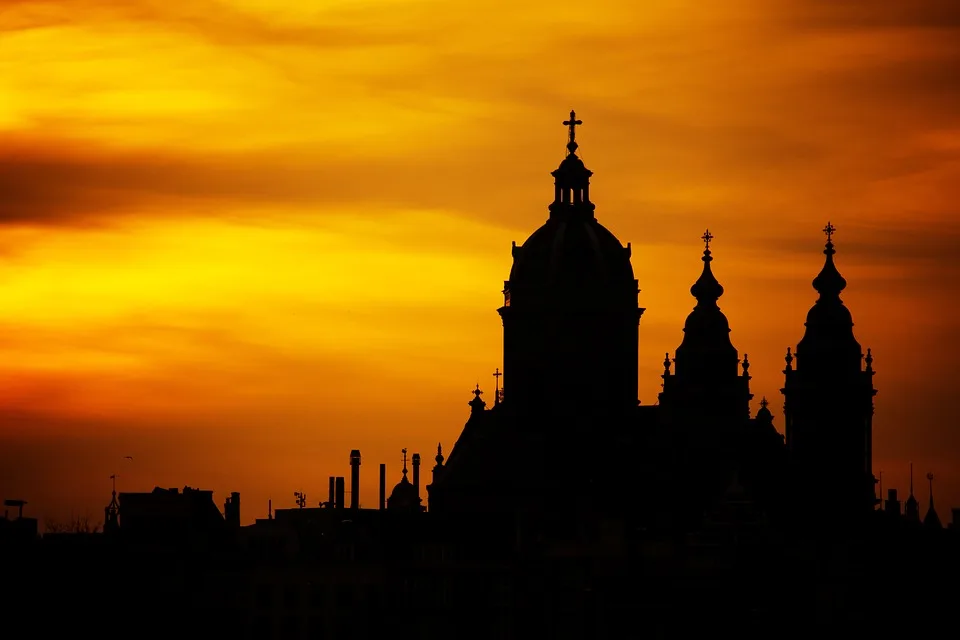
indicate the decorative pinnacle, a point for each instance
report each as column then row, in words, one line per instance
column 439, row 457
column 789, row 359
column 706, row 237
column 666, row 364
column 572, row 124
column 764, row 403
column 477, row 391
column 829, row 229
column 869, row 359
column 746, row 364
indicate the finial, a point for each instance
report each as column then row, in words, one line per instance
column 404, row 451
column 477, row 404
column 439, row 457
column 869, row 360
column 829, row 229
column 829, row 283
column 763, row 403
column 496, row 391
column 706, row 237
column 789, row 359
column 572, row 124
column 666, row 364
column 746, row 364
column 706, row 289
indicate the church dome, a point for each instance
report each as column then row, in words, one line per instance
column 404, row 495
column 571, row 250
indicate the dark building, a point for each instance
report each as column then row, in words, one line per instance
column 828, row 401
column 566, row 508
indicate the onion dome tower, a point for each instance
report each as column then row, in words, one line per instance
column 570, row 313
column 828, row 401
column 707, row 385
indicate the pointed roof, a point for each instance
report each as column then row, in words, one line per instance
column 706, row 345
column 932, row 519
column 911, row 506
column 828, row 340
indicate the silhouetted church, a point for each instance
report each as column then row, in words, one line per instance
column 566, row 509
column 567, row 429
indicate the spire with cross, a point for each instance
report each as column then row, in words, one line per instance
column 477, row 404
column 829, row 230
column 706, row 237
column 496, row 377
column 572, row 124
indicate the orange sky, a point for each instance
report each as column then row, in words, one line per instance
column 239, row 240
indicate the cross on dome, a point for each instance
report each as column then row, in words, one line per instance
column 572, row 124
column 707, row 237
column 829, row 230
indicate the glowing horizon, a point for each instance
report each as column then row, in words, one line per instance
column 238, row 242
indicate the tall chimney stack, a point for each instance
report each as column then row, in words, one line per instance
column 416, row 478
column 355, row 479
column 332, row 493
column 341, row 490
column 383, row 486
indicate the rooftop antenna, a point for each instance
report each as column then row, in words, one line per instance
column 269, row 509
column 301, row 499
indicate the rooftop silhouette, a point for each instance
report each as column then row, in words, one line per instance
column 563, row 509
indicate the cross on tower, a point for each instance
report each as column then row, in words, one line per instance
column 496, row 377
column 706, row 237
column 572, row 124
column 829, row 229
column 404, row 451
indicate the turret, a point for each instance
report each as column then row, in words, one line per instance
column 828, row 401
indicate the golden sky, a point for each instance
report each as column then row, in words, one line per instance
column 242, row 238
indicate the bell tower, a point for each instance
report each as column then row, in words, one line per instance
column 707, row 385
column 828, row 402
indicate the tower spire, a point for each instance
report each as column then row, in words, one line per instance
column 932, row 519
column 706, row 289
column 829, row 283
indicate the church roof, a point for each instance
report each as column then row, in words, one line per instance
column 571, row 248
column 706, row 334
column 829, row 326
column 404, row 495
column 570, row 252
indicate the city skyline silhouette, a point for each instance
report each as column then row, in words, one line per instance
column 197, row 317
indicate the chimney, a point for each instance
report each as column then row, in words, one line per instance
column 383, row 486
column 340, row 492
column 355, row 479
column 416, row 477
column 892, row 505
column 231, row 510
column 332, row 493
